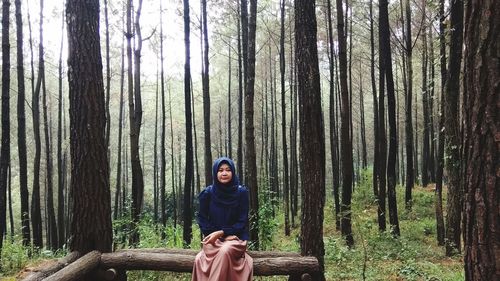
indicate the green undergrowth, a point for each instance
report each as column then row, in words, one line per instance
column 413, row 256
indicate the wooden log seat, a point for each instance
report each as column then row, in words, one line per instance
column 178, row 260
column 111, row 266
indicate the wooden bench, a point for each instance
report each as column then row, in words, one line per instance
column 113, row 266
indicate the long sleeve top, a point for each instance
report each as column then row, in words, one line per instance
column 214, row 216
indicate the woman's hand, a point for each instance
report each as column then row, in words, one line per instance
column 231, row 237
column 212, row 237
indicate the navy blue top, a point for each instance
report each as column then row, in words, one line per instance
column 224, row 206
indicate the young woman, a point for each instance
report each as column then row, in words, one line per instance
column 223, row 220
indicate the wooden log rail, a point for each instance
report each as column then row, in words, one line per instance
column 108, row 266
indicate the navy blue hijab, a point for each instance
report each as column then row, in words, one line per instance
column 225, row 194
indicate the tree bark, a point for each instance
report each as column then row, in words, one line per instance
column 11, row 213
column 162, row 146
column 364, row 161
column 118, row 194
column 480, row 141
column 382, row 136
column 21, row 129
column 135, row 116
column 410, row 173
column 78, row 269
column 346, row 142
column 172, row 159
column 333, row 122
column 312, row 136
column 273, row 159
column 177, row 262
column 35, row 106
column 241, row 85
column 5, row 147
column 250, row 157
column 188, row 169
column 229, row 105
column 206, row 96
column 286, row 186
column 89, row 172
column 155, row 153
column 452, row 131
column 386, row 70
column 426, row 146
column 440, row 156
column 38, row 275
column 294, row 171
column 108, row 77
column 61, row 167
column 51, row 217
column 375, row 105
column 432, row 98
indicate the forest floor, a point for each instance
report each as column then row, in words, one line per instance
column 376, row 256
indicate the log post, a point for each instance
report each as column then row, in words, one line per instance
column 263, row 266
column 114, row 266
column 77, row 269
column 40, row 274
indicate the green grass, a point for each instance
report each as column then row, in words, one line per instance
column 413, row 256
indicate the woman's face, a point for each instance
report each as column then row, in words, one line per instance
column 224, row 174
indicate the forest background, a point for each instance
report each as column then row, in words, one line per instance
column 171, row 121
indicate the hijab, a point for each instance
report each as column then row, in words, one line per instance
column 225, row 194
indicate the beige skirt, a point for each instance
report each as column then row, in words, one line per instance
column 223, row 261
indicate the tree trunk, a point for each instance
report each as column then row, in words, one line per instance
column 108, row 77
column 196, row 177
column 273, row 163
column 35, row 105
column 163, row 128
column 117, row 213
column 51, row 222
column 188, row 169
column 382, row 137
column 312, row 136
column 294, row 173
column 61, row 168
column 333, row 122
column 480, row 141
column 346, row 143
column 172, row 159
column 155, row 154
column 5, row 148
column 375, row 105
column 410, row 173
column 241, row 85
column 229, row 116
column 432, row 98
column 452, row 132
column 386, row 70
column 21, row 129
column 11, row 214
column 265, row 135
column 440, row 155
column 178, row 191
column 89, row 173
column 135, row 113
column 286, row 186
column 206, row 95
column 362, row 121
column 426, row 146
column 415, row 140
column 250, row 158
column 348, row 30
